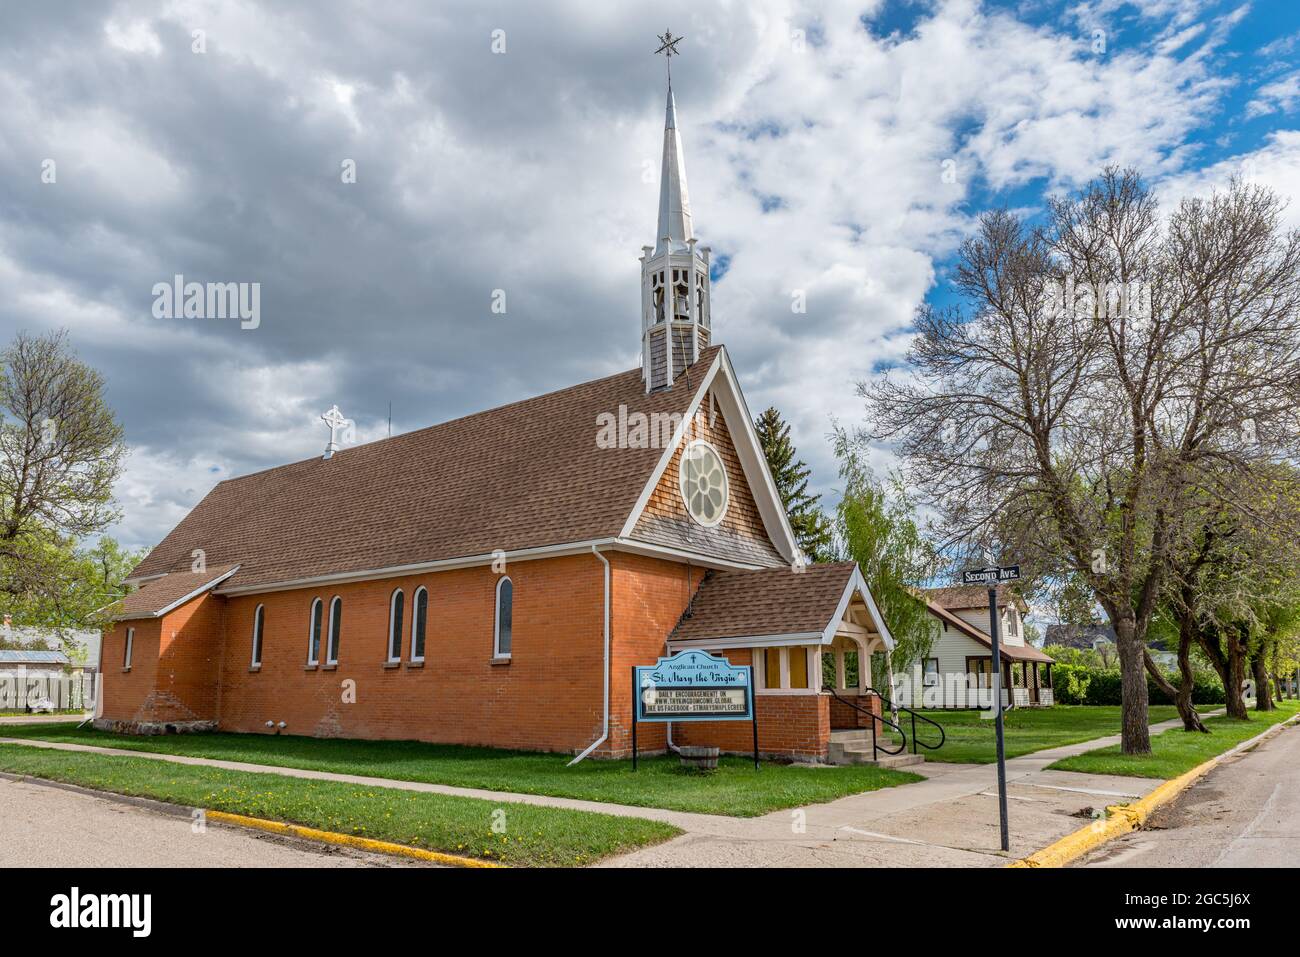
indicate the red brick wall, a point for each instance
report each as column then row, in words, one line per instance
column 789, row 725
column 650, row 595
column 174, row 665
column 195, row 664
column 846, row 716
column 547, row 698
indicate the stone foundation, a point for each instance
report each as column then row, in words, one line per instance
column 154, row 727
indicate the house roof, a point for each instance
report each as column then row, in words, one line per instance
column 767, row 601
column 525, row 475
column 159, row 596
column 1008, row 652
column 24, row 656
column 960, row 597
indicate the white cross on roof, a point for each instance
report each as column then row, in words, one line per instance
column 335, row 420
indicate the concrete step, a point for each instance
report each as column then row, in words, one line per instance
column 854, row 753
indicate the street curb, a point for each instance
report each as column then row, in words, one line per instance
column 347, row 840
column 1122, row 819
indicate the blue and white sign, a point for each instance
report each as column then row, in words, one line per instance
column 694, row 686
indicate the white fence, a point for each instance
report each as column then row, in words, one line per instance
column 21, row 689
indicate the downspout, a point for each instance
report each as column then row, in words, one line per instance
column 604, row 732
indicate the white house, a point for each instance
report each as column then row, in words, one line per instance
column 958, row 672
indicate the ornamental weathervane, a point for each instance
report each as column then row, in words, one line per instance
column 668, row 47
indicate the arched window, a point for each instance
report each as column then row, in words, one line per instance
column 336, row 623
column 505, row 614
column 419, row 618
column 126, row 653
column 396, row 607
column 313, row 635
column 259, row 619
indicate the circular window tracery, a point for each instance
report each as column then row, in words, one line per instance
column 703, row 483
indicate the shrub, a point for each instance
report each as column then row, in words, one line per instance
column 1077, row 684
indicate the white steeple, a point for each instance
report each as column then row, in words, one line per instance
column 674, row 273
column 674, row 200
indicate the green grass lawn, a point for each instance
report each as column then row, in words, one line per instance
column 27, row 714
column 1177, row 751
column 533, row 836
column 971, row 738
column 735, row 789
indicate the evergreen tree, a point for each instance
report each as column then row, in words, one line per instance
column 812, row 529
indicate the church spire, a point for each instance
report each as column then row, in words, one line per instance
column 674, row 275
column 674, row 200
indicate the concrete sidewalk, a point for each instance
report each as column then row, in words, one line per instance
column 950, row 819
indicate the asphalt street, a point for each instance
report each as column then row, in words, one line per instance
column 1244, row 813
column 46, row 826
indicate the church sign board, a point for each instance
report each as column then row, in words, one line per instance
column 692, row 686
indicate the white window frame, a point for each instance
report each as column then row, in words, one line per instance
column 130, row 649
column 392, row 621
column 496, row 620
column 415, row 617
column 331, row 644
column 259, row 629
column 313, row 654
column 726, row 483
column 760, row 670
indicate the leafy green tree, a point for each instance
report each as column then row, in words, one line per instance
column 812, row 529
column 61, row 450
column 874, row 526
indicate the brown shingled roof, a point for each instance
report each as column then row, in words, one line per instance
column 1009, row 652
column 767, row 601
column 970, row 596
column 524, row 475
column 158, row 595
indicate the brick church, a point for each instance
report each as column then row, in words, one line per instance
column 493, row 579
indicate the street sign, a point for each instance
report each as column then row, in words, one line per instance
column 993, row 575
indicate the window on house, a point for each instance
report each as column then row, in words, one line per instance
column 982, row 669
column 798, row 658
column 505, row 615
column 419, row 615
column 130, row 642
column 771, row 667
column 931, row 672
column 259, row 619
column 396, row 606
column 313, row 637
column 336, row 624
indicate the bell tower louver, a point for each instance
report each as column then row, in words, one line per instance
column 674, row 271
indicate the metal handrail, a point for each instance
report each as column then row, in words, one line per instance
column 943, row 735
column 876, row 747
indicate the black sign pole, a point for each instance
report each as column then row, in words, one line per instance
column 636, row 703
column 997, row 704
column 754, row 712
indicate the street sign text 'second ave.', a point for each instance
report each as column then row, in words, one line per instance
column 991, row 576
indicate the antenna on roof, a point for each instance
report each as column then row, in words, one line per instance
column 390, row 418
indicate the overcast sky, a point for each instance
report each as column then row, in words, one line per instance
column 817, row 138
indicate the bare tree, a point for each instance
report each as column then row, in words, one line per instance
column 61, row 450
column 1111, row 369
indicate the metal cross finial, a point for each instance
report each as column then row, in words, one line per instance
column 668, row 47
column 335, row 420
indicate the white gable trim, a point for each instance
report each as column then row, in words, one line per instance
column 753, row 463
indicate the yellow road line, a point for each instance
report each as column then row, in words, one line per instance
column 1123, row 818
column 347, row 840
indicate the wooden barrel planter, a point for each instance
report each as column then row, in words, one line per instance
column 698, row 758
